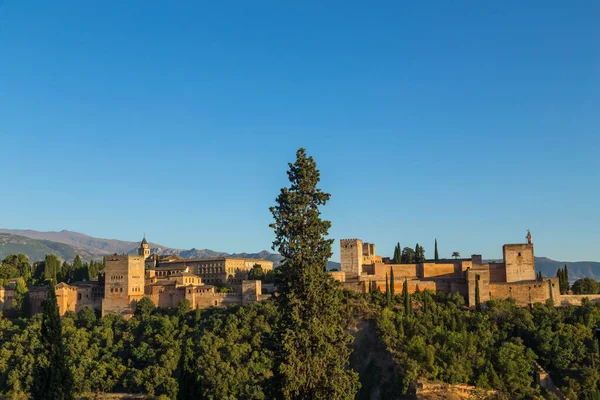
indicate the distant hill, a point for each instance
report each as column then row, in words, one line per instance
column 577, row 269
column 37, row 249
column 66, row 244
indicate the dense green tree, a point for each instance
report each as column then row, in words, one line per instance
column 52, row 376
column 436, row 255
column 397, row 254
column 52, row 268
column 20, row 303
column 563, row 279
column 585, row 286
column 184, row 307
column 77, row 263
column 406, row 298
column 419, row 254
column 392, row 283
column 388, row 293
column 14, row 266
column 144, row 308
column 312, row 349
column 65, row 273
column 408, row 256
column 7, row 271
column 92, row 269
column 86, row 318
column 256, row 273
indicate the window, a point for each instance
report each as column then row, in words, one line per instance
column 519, row 254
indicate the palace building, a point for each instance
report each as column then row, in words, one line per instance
column 166, row 280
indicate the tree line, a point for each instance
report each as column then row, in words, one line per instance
column 495, row 346
column 409, row 255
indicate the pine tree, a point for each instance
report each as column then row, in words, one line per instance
column 392, row 288
column 436, row 255
column 311, row 353
column 52, row 377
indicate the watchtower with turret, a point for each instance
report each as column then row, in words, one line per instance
column 144, row 249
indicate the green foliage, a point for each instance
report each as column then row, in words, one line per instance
column 311, row 353
column 406, row 298
column 52, row 376
column 455, row 254
column 272, row 276
column 184, row 307
column 392, row 284
column 14, row 266
column 256, row 273
column 563, row 279
column 419, row 254
column 408, row 256
column 388, row 293
column 397, row 254
column 586, row 286
column 495, row 348
column 20, row 303
column 436, row 255
column 144, row 308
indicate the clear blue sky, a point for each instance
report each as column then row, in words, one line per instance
column 468, row 121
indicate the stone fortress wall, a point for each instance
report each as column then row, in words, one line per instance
column 513, row 278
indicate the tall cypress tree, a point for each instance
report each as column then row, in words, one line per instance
column 388, row 294
column 559, row 275
column 406, row 297
column 398, row 254
column 436, row 255
column 566, row 278
column 392, row 288
column 311, row 353
column 52, row 377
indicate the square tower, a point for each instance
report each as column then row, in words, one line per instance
column 123, row 284
column 519, row 261
column 351, row 257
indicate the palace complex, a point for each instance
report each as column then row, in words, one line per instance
column 166, row 280
column 363, row 270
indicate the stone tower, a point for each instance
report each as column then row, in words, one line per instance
column 123, row 283
column 351, row 257
column 519, row 262
column 144, row 249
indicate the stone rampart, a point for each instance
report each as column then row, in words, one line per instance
column 441, row 270
column 527, row 292
column 400, row 271
column 576, row 299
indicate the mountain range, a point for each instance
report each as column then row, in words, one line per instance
column 66, row 244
